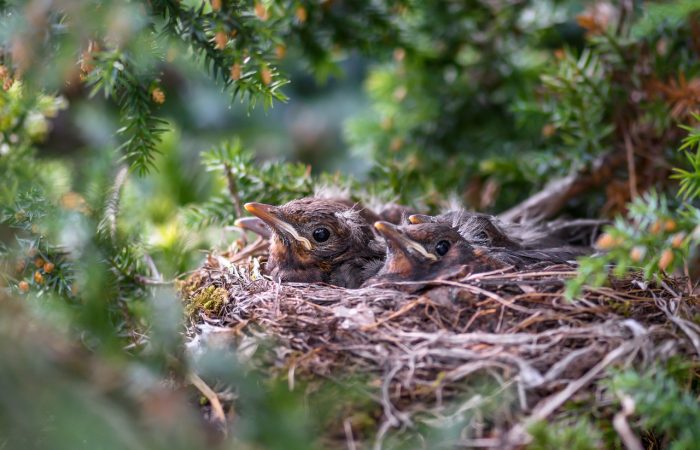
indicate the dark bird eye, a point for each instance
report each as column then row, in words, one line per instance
column 442, row 247
column 321, row 234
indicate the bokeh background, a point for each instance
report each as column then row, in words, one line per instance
column 124, row 127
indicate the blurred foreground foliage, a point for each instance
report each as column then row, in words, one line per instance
column 478, row 103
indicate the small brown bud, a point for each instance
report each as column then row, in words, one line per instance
column 666, row 259
column 221, row 39
column 637, row 253
column 266, row 76
column 396, row 144
column 670, row 225
column 39, row 262
column 301, row 14
column 399, row 54
column 38, row 277
column 559, row 53
column 280, row 51
column 4, row 72
column 158, row 96
column 216, row 5
column 400, row 93
column 261, row 11
column 548, row 130
column 7, row 84
column 235, row 71
column 677, row 240
column 20, row 266
column 48, row 267
column 606, row 242
column 655, row 227
column 23, row 286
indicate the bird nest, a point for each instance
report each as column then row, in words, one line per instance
column 420, row 344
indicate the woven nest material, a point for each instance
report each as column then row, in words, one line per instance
column 419, row 344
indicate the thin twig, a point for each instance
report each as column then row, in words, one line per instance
column 631, row 167
column 233, row 190
column 216, row 408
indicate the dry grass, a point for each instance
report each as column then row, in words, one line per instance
column 422, row 342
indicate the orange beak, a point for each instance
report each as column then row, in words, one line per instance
column 392, row 233
column 270, row 215
column 415, row 219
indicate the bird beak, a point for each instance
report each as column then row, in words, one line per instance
column 415, row 219
column 394, row 234
column 254, row 224
column 270, row 215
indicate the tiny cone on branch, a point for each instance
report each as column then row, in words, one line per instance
column 23, row 286
column 280, row 51
column 216, row 5
column 48, row 267
column 38, row 277
column 670, row 225
column 39, row 262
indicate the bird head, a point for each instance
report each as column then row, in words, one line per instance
column 477, row 228
column 425, row 251
column 311, row 238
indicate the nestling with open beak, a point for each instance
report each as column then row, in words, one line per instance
column 391, row 212
column 320, row 240
column 254, row 225
column 432, row 250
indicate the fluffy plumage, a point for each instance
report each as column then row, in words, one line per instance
column 433, row 250
column 487, row 230
column 321, row 240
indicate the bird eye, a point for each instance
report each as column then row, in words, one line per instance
column 442, row 247
column 321, row 234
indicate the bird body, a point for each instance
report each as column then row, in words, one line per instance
column 321, row 240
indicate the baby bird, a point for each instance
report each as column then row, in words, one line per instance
column 390, row 212
column 486, row 230
column 321, row 240
column 428, row 251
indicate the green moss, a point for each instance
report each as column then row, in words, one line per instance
column 578, row 436
column 210, row 299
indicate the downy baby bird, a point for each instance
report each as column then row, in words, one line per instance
column 487, row 230
column 432, row 250
column 321, row 240
column 390, row 212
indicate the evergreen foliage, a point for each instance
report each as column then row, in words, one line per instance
column 478, row 101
